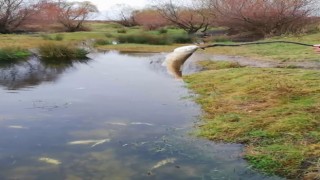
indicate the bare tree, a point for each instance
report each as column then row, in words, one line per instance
column 263, row 17
column 191, row 17
column 73, row 14
column 13, row 13
column 150, row 19
column 124, row 15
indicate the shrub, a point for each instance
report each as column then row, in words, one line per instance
column 58, row 52
column 144, row 39
column 264, row 18
column 102, row 42
column 46, row 37
column 13, row 54
column 221, row 39
column 181, row 39
column 122, row 31
column 59, row 37
column 162, row 31
column 108, row 35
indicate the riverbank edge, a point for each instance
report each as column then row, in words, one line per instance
column 277, row 143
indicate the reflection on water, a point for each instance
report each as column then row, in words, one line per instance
column 115, row 117
column 31, row 73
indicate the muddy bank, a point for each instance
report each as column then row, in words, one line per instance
column 191, row 65
column 244, row 61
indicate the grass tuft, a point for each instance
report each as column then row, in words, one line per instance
column 102, row 42
column 152, row 39
column 122, row 31
column 163, row 31
column 59, row 52
column 144, row 39
column 13, row 54
column 56, row 37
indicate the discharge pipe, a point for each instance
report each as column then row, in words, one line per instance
column 175, row 60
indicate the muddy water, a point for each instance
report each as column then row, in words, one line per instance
column 116, row 116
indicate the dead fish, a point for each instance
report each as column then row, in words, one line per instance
column 141, row 123
column 118, row 124
column 164, row 162
column 101, row 142
column 80, row 88
column 50, row 160
column 17, row 127
column 86, row 142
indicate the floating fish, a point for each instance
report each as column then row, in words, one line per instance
column 86, row 142
column 118, row 124
column 17, row 127
column 50, row 160
column 164, row 162
column 141, row 123
column 101, row 142
column 80, row 88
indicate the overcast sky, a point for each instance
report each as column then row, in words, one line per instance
column 105, row 6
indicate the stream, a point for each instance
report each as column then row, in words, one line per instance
column 114, row 117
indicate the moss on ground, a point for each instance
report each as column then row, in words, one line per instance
column 275, row 112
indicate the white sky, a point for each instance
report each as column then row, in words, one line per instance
column 105, row 5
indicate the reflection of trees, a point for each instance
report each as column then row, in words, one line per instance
column 30, row 73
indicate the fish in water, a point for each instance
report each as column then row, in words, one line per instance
column 118, row 123
column 50, row 160
column 176, row 59
column 86, row 142
column 17, row 127
column 163, row 163
column 141, row 123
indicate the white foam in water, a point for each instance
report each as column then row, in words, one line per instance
column 176, row 59
column 186, row 49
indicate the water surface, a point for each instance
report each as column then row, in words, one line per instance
column 116, row 116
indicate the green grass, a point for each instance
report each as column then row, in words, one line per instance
column 275, row 112
column 56, row 37
column 13, row 54
column 210, row 65
column 59, row 52
column 276, row 52
column 101, row 42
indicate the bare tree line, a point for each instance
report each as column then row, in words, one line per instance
column 264, row 17
column 260, row 17
column 14, row 13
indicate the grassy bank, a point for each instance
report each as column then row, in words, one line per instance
column 275, row 112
